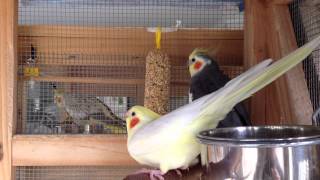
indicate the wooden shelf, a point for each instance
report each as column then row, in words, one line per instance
column 70, row 150
column 177, row 79
column 95, row 80
column 126, row 32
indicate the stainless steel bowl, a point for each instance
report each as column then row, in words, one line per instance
column 263, row 152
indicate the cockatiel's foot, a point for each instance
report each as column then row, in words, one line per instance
column 154, row 174
column 179, row 172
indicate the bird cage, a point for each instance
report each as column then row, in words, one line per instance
column 70, row 69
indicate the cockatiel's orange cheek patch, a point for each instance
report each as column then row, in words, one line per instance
column 134, row 122
column 197, row 65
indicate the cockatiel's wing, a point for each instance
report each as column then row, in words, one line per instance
column 108, row 113
column 179, row 125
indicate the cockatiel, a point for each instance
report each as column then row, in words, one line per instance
column 170, row 142
column 81, row 109
column 206, row 77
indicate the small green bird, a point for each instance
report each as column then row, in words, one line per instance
column 170, row 142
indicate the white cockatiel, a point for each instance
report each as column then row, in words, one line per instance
column 170, row 142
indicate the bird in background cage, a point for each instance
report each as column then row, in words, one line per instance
column 86, row 112
column 170, row 142
column 206, row 77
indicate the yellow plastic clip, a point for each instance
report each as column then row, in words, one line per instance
column 34, row 71
column 158, row 37
column 26, row 71
column 31, row 71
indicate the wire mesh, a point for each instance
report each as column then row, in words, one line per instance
column 306, row 21
column 80, row 61
column 72, row 173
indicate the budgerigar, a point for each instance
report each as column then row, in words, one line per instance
column 81, row 110
column 170, row 141
column 206, row 77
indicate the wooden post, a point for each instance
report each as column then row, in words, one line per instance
column 255, row 50
column 8, row 80
column 293, row 85
column 269, row 34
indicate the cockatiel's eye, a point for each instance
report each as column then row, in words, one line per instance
column 193, row 60
column 133, row 114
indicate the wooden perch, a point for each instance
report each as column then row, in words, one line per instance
column 70, row 150
column 96, row 80
column 224, row 169
column 193, row 173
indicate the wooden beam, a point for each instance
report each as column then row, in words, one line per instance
column 70, row 150
column 94, row 80
column 8, row 80
column 255, row 50
column 76, row 42
column 125, row 32
column 292, row 87
column 229, row 49
column 180, row 76
column 80, row 59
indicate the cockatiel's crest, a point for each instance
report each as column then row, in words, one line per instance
column 198, row 51
column 137, row 117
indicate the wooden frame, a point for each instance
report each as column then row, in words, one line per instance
column 8, row 82
column 24, row 150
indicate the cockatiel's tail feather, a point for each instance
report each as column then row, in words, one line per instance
column 255, row 79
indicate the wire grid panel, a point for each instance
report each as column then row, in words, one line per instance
column 306, row 21
column 72, row 173
column 82, row 63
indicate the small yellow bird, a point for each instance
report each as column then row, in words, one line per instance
column 170, row 142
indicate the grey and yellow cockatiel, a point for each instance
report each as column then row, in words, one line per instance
column 170, row 142
column 81, row 109
column 206, row 77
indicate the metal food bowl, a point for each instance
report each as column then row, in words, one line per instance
column 262, row 152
